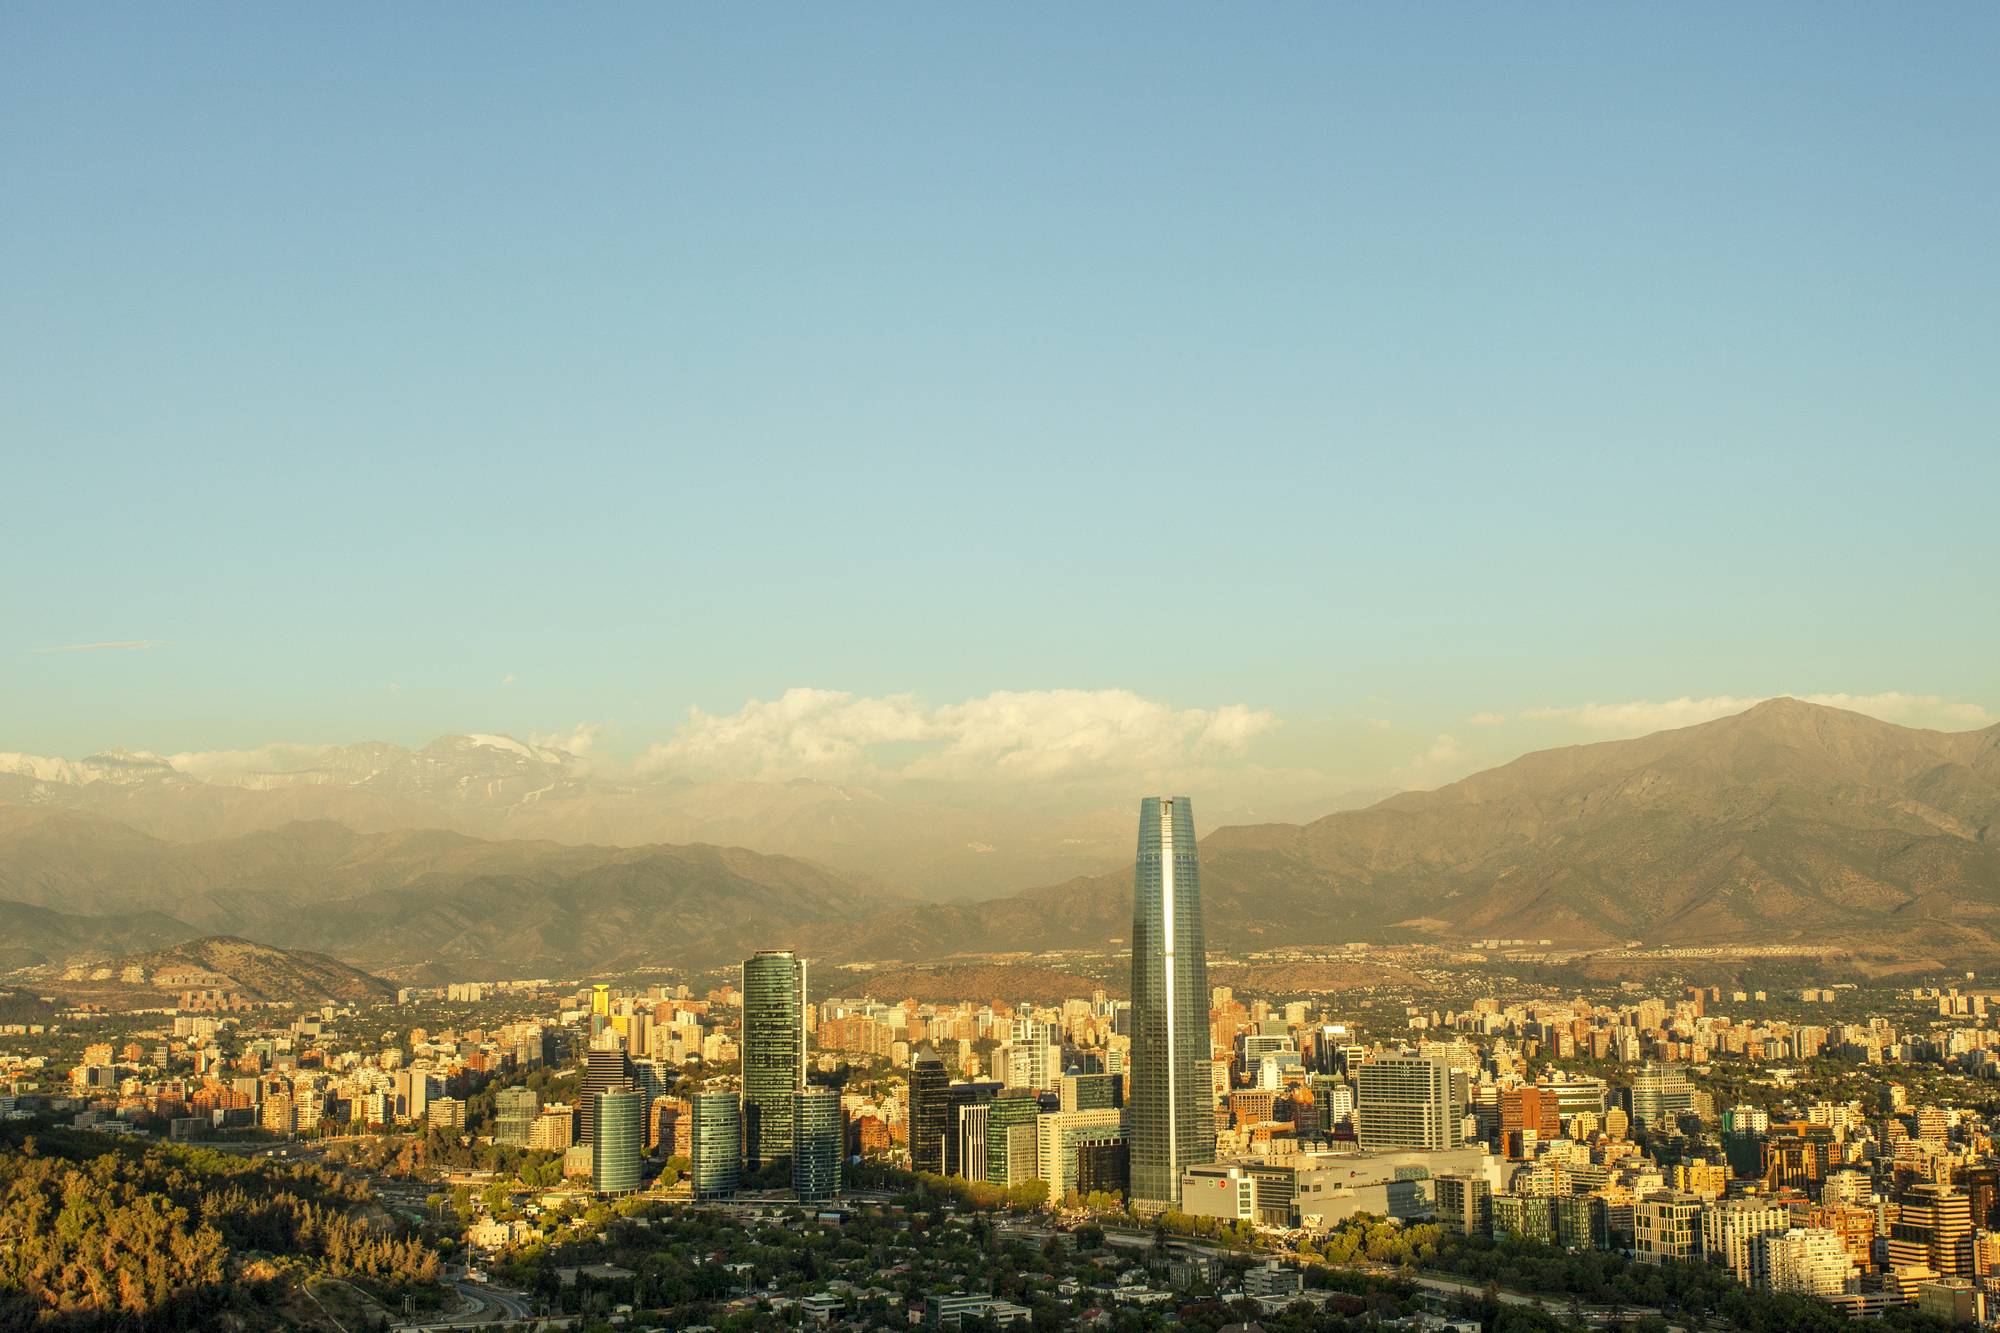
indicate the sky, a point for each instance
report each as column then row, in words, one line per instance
column 1335, row 397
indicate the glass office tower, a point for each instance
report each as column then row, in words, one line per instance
column 716, row 1140
column 1170, row 1099
column 620, row 1142
column 774, row 1050
column 606, row 1069
column 929, row 1110
column 816, row 1144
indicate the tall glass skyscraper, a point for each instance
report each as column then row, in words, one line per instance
column 620, row 1142
column 774, row 1050
column 816, row 1144
column 716, row 1141
column 929, row 1110
column 1171, row 1103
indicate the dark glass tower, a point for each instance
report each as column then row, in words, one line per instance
column 774, row 1050
column 606, row 1069
column 929, row 1110
column 1170, row 1104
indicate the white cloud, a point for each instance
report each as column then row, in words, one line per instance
column 278, row 758
column 1895, row 707
column 1009, row 736
column 576, row 741
column 1638, row 719
column 1487, row 719
column 1448, row 760
column 508, row 679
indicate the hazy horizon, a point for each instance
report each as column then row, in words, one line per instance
column 1296, row 402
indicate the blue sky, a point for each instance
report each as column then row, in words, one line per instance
column 1372, row 369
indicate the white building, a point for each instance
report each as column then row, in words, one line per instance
column 1731, row 1229
column 1409, row 1102
column 1806, row 1262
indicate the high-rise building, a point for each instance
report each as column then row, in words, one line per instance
column 929, row 1110
column 619, row 1144
column 965, row 1145
column 606, row 1069
column 1170, row 1101
column 1934, row 1230
column 1086, row 1092
column 515, row 1111
column 774, row 1050
column 653, row 1080
column 1408, row 1101
column 816, row 1144
column 716, row 1141
column 1013, row 1147
column 1660, row 1092
column 1084, row 1150
column 972, row 1117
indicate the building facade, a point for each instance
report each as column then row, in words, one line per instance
column 774, row 1050
column 1805, row 1262
column 930, row 1110
column 1170, row 1105
column 1666, row 1224
column 716, row 1138
column 619, row 1144
column 1013, row 1148
column 1075, row 1146
column 817, row 1134
column 606, row 1069
column 516, row 1109
column 1408, row 1101
column 1730, row 1231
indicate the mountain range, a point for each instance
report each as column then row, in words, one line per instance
column 496, row 787
column 1788, row 823
column 1791, row 823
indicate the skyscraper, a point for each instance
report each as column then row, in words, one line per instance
column 716, row 1167
column 816, row 1144
column 929, row 1110
column 606, row 1069
column 774, row 1050
column 620, row 1141
column 1170, row 1104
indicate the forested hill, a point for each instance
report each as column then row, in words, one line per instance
column 107, row 1234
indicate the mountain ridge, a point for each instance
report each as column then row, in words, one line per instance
column 1789, row 822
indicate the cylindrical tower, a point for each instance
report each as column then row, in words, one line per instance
column 717, row 1144
column 620, row 1142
